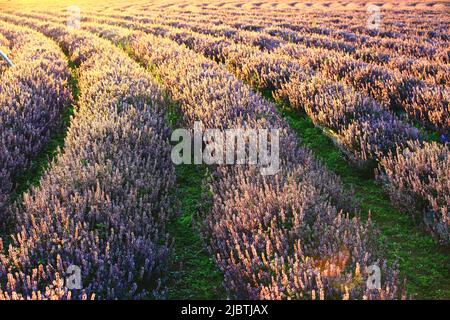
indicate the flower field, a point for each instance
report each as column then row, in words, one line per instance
column 358, row 95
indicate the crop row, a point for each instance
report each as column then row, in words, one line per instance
column 364, row 127
column 368, row 135
column 434, row 73
column 103, row 203
column 401, row 24
column 351, row 27
column 228, row 24
column 274, row 237
column 426, row 103
column 416, row 178
column 395, row 54
column 273, row 37
column 270, row 39
column 33, row 94
column 391, row 53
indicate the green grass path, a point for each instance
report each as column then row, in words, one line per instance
column 192, row 274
